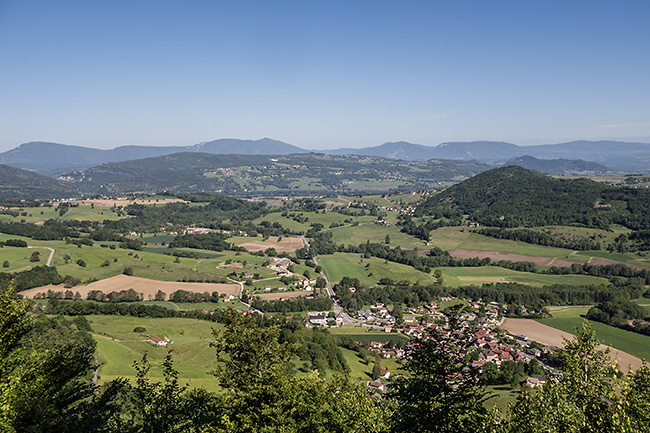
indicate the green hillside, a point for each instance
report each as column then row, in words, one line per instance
column 259, row 175
column 513, row 196
column 22, row 184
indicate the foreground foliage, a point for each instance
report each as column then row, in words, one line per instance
column 46, row 385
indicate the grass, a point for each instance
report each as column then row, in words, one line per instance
column 369, row 271
column 456, row 277
column 376, row 233
column 569, row 319
column 118, row 347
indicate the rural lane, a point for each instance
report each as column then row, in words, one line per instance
column 49, row 259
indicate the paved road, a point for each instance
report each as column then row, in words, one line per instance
column 49, row 259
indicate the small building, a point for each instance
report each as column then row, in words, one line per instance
column 158, row 341
column 317, row 320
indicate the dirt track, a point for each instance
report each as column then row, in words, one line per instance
column 496, row 256
column 549, row 336
column 286, row 245
column 145, row 286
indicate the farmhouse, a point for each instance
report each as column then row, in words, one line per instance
column 158, row 341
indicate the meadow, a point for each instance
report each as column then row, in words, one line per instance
column 570, row 319
column 369, row 271
column 118, row 347
column 455, row 277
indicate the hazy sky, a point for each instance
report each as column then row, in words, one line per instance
column 323, row 74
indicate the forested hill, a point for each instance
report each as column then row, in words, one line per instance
column 261, row 175
column 21, row 184
column 513, row 196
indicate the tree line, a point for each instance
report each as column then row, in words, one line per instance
column 47, row 365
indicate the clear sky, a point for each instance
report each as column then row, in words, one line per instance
column 323, row 74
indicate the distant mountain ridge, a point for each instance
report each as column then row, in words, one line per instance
column 21, row 184
column 53, row 159
column 560, row 166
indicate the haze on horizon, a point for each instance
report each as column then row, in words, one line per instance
column 323, row 75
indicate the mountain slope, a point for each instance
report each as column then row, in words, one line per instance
column 262, row 175
column 513, row 196
column 21, row 184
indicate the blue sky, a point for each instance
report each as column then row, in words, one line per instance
column 323, row 74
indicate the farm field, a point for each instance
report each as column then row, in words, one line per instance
column 459, row 238
column 375, row 233
column 550, row 336
column 284, row 245
column 146, row 287
column 369, row 271
column 455, row 277
column 568, row 319
column 118, row 347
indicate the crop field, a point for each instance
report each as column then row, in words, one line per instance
column 568, row 319
column 146, row 287
column 284, row 245
column 455, row 277
column 118, row 347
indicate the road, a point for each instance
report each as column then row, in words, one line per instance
column 49, row 259
column 338, row 310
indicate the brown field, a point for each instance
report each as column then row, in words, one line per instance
column 286, row 245
column 483, row 279
column 111, row 202
column 548, row 336
column 596, row 261
column 278, row 295
column 145, row 286
column 496, row 256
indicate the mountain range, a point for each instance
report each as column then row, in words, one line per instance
column 54, row 159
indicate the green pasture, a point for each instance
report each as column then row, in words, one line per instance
column 369, row 271
column 630, row 258
column 18, row 258
column 324, row 218
column 91, row 213
column 568, row 319
column 145, row 264
column 362, row 371
column 118, row 347
column 466, row 276
column 33, row 214
column 485, row 243
column 376, row 233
